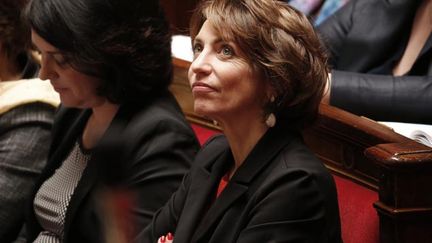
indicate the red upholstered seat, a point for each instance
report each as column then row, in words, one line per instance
column 358, row 217
column 359, row 220
column 202, row 133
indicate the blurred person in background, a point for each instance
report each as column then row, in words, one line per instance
column 381, row 59
column 27, row 107
column 118, row 125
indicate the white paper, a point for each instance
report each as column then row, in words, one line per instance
column 421, row 133
column 181, row 47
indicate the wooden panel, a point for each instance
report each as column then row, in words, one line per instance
column 339, row 138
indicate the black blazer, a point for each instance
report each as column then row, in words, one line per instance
column 366, row 38
column 282, row 193
column 147, row 149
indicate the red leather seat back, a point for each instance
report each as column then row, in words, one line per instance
column 359, row 220
column 202, row 133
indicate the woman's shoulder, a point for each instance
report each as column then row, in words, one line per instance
column 160, row 123
column 298, row 154
column 296, row 171
column 296, row 165
column 298, row 157
column 163, row 111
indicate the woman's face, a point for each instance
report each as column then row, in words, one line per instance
column 75, row 88
column 223, row 83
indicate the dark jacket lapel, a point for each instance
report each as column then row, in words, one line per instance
column 73, row 121
column 258, row 160
column 203, row 185
column 104, row 156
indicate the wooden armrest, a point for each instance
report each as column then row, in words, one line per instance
column 405, row 198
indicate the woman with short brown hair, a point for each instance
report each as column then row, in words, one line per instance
column 282, row 46
column 258, row 70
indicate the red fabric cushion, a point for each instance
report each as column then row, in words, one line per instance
column 203, row 133
column 358, row 216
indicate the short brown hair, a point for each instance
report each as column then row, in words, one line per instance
column 278, row 41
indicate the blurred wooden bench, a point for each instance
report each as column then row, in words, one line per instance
column 384, row 179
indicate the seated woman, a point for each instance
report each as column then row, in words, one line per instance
column 381, row 58
column 27, row 107
column 259, row 71
column 110, row 62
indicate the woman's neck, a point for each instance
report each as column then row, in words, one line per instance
column 98, row 123
column 242, row 133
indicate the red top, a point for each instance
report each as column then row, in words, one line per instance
column 222, row 184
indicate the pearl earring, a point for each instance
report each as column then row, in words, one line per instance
column 271, row 120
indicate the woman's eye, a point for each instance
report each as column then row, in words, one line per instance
column 59, row 59
column 227, row 51
column 60, row 62
column 197, row 48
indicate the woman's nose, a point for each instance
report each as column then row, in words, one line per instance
column 202, row 63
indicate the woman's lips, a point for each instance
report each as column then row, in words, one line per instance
column 202, row 87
